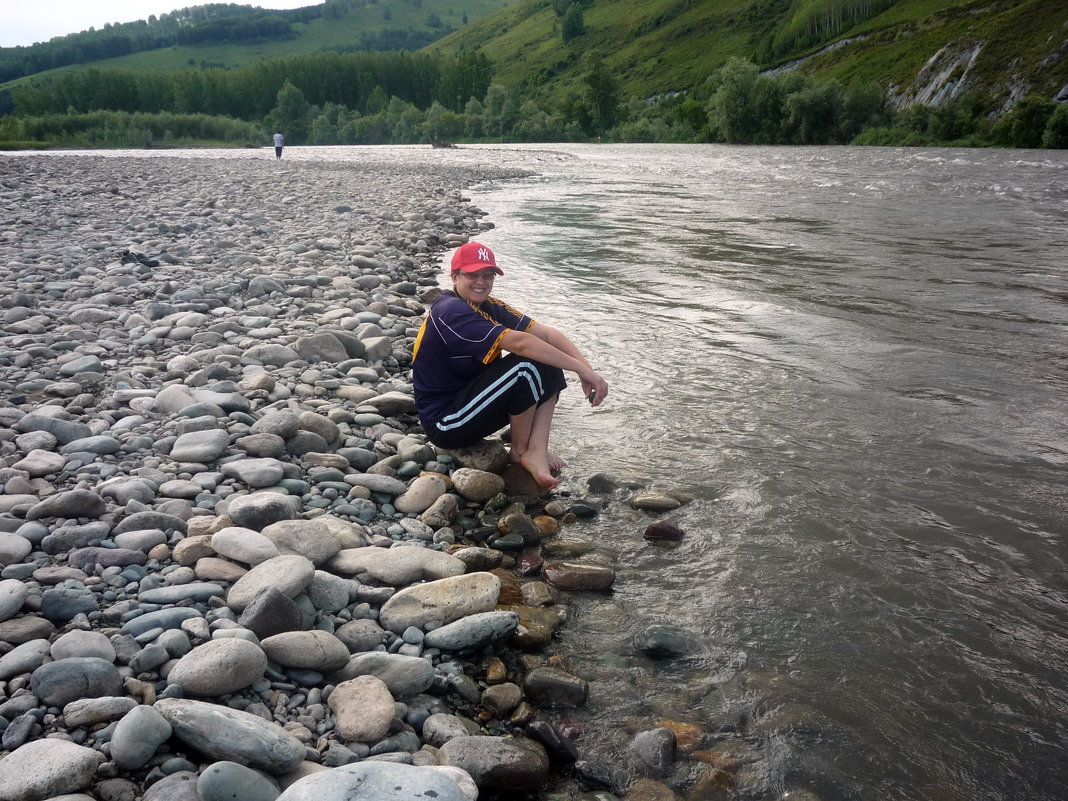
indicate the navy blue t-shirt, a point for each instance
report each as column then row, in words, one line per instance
column 455, row 343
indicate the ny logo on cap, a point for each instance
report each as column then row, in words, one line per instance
column 484, row 254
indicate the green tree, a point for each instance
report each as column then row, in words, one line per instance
column 573, row 24
column 500, row 111
column 473, row 119
column 1026, row 123
column 290, row 114
column 733, row 115
column 1056, row 133
column 814, row 112
column 863, row 105
column 602, row 93
column 376, row 101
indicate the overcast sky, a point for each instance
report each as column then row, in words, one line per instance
column 23, row 22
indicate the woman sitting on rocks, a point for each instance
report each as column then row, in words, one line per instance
column 465, row 389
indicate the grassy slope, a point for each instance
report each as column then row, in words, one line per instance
column 664, row 45
column 1017, row 37
column 315, row 35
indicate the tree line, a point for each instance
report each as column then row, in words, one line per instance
column 385, row 98
column 250, row 92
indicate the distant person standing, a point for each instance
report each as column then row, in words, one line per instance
column 279, row 141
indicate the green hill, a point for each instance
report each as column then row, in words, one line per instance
column 232, row 35
column 918, row 50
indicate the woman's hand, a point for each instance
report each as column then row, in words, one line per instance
column 594, row 388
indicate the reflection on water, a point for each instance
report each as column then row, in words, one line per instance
column 853, row 360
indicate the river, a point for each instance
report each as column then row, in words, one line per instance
column 855, row 361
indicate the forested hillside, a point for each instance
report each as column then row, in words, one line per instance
column 918, row 50
column 912, row 72
column 228, row 35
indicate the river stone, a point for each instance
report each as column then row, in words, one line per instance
column 405, row 676
column 63, row 430
column 361, row 635
column 271, row 612
column 255, row 472
column 308, row 538
column 180, row 786
column 243, row 545
column 653, row 502
column 229, row 781
column 472, row 631
column 12, row 594
column 397, row 567
column 291, row 574
column 442, row 601
column 87, row 712
column 421, row 494
column 363, row 708
column 23, row 658
column 264, row 445
column 479, row 559
column 502, row 763
column 40, row 463
column 282, row 423
column 230, row 734
column 579, row 576
column 74, row 503
column 124, row 489
column 219, row 667
column 390, row 404
column 100, row 445
column 148, row 519
column 314, row 650
column 260, row 509
column 322, row 347
column 380, row 781
column 329, row 593
column 47, row 768
column 378, row 483
column 13, row 549
column 442, row 512
column 501, row 699
column 160, row 619
column 441, row 727
column 663, row 531
column 664, row 642
column 83, row 643
column 200, row 446
column 323, row 427
column 552, row 687
column 656, row 748
column 476, row 485
column 137, row 736
column 172, row 399
column 58, row 683
column 198, row 591
column 143, row 540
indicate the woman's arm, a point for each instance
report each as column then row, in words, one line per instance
column 545, row 344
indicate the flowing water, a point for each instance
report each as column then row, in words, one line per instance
column 856, row 362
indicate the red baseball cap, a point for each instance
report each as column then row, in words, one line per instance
column 472, row 257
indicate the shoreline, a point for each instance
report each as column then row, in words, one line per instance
column 209, row 449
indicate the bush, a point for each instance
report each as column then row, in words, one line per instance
column 1056, row 133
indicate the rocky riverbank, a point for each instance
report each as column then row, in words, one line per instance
column 232, row 567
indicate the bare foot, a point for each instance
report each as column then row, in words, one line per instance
column 556, row 464
column 538, row 467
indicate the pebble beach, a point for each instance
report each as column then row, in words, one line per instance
column 232, row 566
